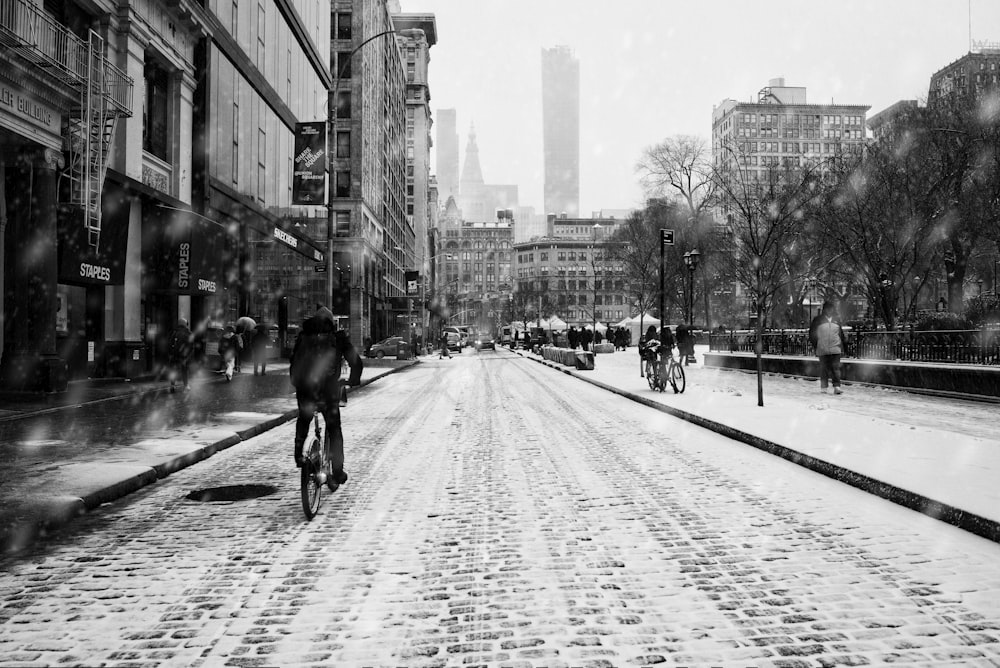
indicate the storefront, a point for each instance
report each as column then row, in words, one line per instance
column 86, row 270
column 185, row 258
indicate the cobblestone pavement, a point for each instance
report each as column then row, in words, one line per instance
column 503, row 513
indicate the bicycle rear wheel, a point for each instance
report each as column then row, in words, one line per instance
column 662, row 378
column 677, row 379
column 651, row 374
column 312, row 488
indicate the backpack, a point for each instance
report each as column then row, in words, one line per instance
column 314, row 357
column 180, row 345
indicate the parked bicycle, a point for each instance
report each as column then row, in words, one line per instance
column 660, row 368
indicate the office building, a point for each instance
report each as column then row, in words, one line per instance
column 568, row 273
column 968, row 78
column 446, row 149
column 561, row 130
column 368, row 166
column 782, row 128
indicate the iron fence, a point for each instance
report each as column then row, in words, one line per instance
column 973, row 346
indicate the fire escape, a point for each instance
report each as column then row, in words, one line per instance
column 103, row 92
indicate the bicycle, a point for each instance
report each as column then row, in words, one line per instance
column 660, row 372
column 316, row 468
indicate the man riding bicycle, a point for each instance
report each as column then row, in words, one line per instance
column 316, row 362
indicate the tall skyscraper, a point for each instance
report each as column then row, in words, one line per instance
column 447, row 154
column 561, row 129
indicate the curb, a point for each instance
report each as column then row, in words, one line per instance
column 975, row 524
column 42, row 516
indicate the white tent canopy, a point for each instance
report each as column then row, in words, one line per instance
column 636, row 327
column 555, row 323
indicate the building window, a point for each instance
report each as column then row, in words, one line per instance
column 344, row 64
column 261, row 35
column 343, row 25
column 343, row 144
column 261, row 164
column 154, row 112
column 236, row 133
column 344, row 104
column 343, row 224
column 343, row 187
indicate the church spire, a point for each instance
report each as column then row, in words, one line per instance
column 472, row 173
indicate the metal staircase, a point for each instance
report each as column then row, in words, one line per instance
column 104, row 96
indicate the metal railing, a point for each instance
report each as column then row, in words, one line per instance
column 973, row 346
column 43, row 41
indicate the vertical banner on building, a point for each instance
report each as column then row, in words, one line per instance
column 309, row 178
column 412, row 283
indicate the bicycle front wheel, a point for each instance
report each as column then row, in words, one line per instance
column 677, row 379
column 312, row 489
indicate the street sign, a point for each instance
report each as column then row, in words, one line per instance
column 320, row 268
column 667, row 237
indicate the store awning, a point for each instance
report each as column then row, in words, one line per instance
column 183, row 252
column 81, row 263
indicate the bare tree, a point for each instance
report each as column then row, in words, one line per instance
column 679, row 169
column 959, row 141
column 872, row 219
column 766, row 209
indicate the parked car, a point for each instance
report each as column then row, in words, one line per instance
column 484, row 341
column 385, row 347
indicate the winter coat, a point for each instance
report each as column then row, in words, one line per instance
column 181, row 345
column 829, row 338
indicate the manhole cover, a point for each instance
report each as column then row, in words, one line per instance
column 232, row 493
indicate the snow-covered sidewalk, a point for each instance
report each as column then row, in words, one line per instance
column 938, row 455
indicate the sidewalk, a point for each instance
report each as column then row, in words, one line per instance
column 939, row 456
column 103, row 440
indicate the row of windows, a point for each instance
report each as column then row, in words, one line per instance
column 801, row 120
column 503, row 256
column 560, row 256
column 790, row 147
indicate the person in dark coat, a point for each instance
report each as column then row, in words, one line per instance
column 574, row 337
column 667, row 341
column 315, row 367
column 586, row 338
column 180, row 349
column 685, row 343
column 444, row 346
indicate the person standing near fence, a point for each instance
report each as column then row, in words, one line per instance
column 827, row 337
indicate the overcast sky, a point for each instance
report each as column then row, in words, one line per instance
column 650, row 69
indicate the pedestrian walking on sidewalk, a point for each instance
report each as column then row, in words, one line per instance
column 827, row 337
column 179, row 353
column 259, row 348
column 227, row 350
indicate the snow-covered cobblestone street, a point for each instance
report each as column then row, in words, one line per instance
column 500, row 512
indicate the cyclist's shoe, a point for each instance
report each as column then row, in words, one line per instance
column 298, row 454
column 339, row 477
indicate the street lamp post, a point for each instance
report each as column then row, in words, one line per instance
column 691, row 259
column 332, row 140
